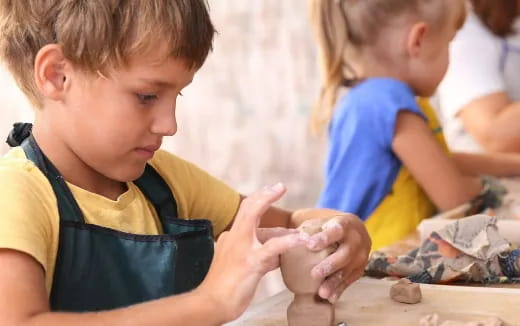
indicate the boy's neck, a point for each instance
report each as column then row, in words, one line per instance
column 72, row 168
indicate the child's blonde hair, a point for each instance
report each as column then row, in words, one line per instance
column 98, row 34
column 343, row 26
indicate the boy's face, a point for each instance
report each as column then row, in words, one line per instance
column 115, row 124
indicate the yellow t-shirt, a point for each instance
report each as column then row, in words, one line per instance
column 29, row 219
column 407, row 204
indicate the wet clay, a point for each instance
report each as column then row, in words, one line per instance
column 405, row 291
column 434, row 320
column 310, row 310
column 307, row 309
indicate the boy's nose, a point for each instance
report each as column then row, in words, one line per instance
column 165, row 124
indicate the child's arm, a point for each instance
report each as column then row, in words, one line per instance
column 493, row 121
column 495, row 164
column 24, row 302
column 426, row 160
column 239, row 263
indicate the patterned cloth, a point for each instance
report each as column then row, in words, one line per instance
column 469, row 249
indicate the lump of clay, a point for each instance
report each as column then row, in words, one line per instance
column 405, row 291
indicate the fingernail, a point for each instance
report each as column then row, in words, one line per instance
column 322, row 271
column 332, row 225
column 316, row 273
column 324, row 293
column 278, row 187
column 316, row 240
column 304, row 236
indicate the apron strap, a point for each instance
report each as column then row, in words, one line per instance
column 158, row 193
column 67, row 205
column 153, row 186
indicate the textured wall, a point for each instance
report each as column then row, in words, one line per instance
column 245, row 117
column 13, row 106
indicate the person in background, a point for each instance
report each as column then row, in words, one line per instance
column 479, row 98
column 387, row 160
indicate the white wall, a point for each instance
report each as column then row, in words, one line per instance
column 13, row 106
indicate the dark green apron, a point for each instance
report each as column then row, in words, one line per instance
column 98, row 268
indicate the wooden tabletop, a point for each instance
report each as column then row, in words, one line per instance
column 367, row 303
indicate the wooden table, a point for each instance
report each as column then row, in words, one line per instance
column 367, row 303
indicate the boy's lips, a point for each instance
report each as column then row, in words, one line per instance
column 151, row 148
column 148, row 151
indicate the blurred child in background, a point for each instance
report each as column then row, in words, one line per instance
column 387, row 159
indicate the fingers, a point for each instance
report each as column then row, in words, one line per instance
column 353, row 249
column 337, row 294
column 254, row 206
column 264, row 234
column 333, row 231
column 330, row 284
column 334, row 262
column 354, row 276
column 333, row 287
column 274, row 247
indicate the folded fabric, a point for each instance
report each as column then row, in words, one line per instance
column 469, row 249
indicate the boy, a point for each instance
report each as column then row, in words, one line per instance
column 95, row 217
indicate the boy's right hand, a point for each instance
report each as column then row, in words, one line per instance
column 241, row 260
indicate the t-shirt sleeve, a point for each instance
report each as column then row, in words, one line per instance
column 385, row 105
column 199, row 195
column 361, row 136
column 474, row 70
column 25, row 210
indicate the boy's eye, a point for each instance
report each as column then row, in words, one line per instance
column 146, row 98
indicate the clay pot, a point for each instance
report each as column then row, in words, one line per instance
column 307, row 309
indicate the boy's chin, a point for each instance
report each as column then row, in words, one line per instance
column 129, row 173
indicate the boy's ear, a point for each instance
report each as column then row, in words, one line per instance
column 416, row 37
column 49, row 72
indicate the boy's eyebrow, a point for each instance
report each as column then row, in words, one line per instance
column 162, row 83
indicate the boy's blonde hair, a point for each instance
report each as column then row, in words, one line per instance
column 95, row 35
column 343, row 26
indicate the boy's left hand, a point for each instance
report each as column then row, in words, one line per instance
column 348, row 262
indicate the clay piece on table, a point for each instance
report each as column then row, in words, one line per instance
column 434, row 320
column 307, row 309
column 405, row 291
